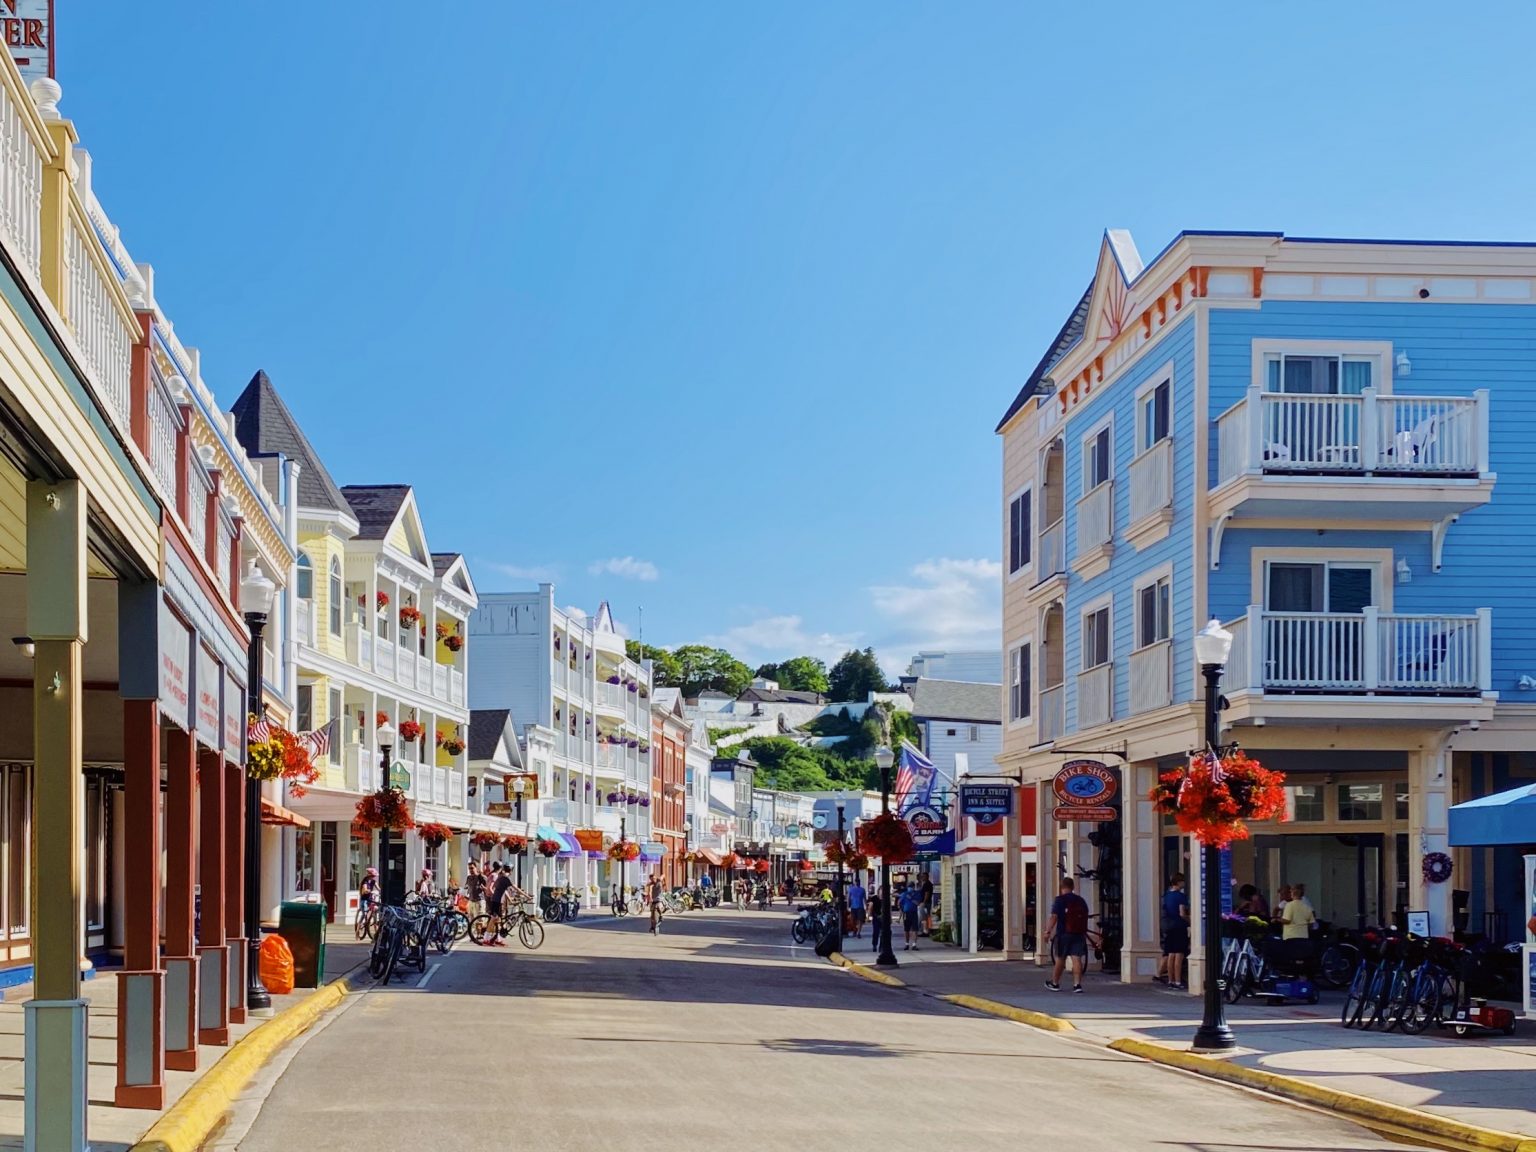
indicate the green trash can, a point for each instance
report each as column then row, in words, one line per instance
column 303, row 926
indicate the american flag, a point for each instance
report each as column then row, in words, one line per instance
column 258, row 731
column 914, row 777
column 318, row 742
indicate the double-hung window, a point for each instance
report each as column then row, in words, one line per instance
column 1018, row 683
column 1152, row 416
column 1153, row 613
column 1096, row 641
column 1096, row 460
column 1019, row 532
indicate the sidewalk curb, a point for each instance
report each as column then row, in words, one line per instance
column 1008, row 1012
column 201, row 1111
column 1334, row 1100
column 865, row 971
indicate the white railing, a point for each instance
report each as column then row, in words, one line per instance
column 164, row 421
column 21, row 184
column 198, row 491
column 1053, row 713
column 1368, row 651
column 1096, row 517
column 102, row 334
column 1363, row 434
column 384, row 657
column 456, row 788
column 455, row 686
column 1151, row 480
column 1095, row 696
column 360, row 770
column 1152, row 677
column 611, row 696
column 224, row 542
column 359, row 645
column 1053, row 550
column 440, row 681
column 439, row 785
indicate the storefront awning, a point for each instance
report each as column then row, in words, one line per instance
column 1503, row 818
column 711, row 856
column 272, row 813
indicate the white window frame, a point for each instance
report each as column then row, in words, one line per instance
column 336, row 588
column 1027, row 494
column 1379, row 351
column 1026, row 645
column 1147, row 580
column 1106, row 605
column 1146, row 388
column 1380, row 560
column 305, row 573
column 1105, row 425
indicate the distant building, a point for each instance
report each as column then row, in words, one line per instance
column 982, row 666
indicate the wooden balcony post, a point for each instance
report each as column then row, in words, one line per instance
column 55, row 214
column 1370, row 438
column 1255, row 408
column 1371, row 647
column 1258, row 648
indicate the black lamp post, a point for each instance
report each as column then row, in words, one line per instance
column 841, row 844
column 887, row 958
column 385, row 735
column 1213, row 644
column 256, row 595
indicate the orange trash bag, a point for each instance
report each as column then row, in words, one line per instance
column 276, row 965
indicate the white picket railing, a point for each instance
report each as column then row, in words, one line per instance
column 1151, row 478
column 1053, row 550
column 1096, row 517
column 1095, row 696
column 100, row 331
column 1151, row 677
column 164, row 422
column 198, row 491
column 1362, row 652
column 1361, row 434
column 1053, row 713
column 21, row 184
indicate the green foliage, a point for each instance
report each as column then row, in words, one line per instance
column 782, row 763
column 665, row 671
column 855, row 676
column 718, row 734
column 803, row 674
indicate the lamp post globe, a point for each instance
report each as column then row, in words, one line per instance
column 257, row 592
column 884, row 758
column 1213, row 645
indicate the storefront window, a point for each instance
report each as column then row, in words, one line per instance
column 1304, row 801
column 359, row 859
column 18, row 856
column 304, row 860
column 94, row 851
column 1400, row 806
column 1360, row 801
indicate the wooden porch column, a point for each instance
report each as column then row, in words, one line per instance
column 180, row 879
column 55, row 1019
column 212, row 952
column 234, row 888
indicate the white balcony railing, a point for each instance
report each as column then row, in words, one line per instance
column 304, row 621
column 1151, row 677
column 440, row 681
column 611, row 696
column 21, row 182
column 164, row 423
column 1366, row 434
column 439, row 785
column 1095, row 696
column 456, row 796
column 360, row 768
column 455, row 686
column 1371, row 651
column 1096, row 518
column 99, row 327
column 1053, row 550
column 1151, row 480
column 384, row 657
column 198, row 491
column 1053, row 713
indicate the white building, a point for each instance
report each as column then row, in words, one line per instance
column 569, row 672
column 984, row 666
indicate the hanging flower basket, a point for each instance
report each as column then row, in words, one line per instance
column 443, row 631
column 634, row 743
column 439, row 737
column 434, row 834
column 887, row 837
column 411, row 730
column 386, row 808
column 645, row 801
column 1214, row 807
column 516, row 845
column 614, row 679
column 857, row 861
column 281, row 756
column 729, row 860
column 453, row 746
column 485, row 841
column 839, row 851
column 453, row 642
column 557, row 643
column 645, row 745
column 632, row 686
column 549, row 847
column 410, row 617
column 623, row 850
column 381, row 600
column 762, row 867
column 644, row 692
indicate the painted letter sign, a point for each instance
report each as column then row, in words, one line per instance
column 210, row 718
column 986, row 802
column 28, row 29
column 175, row 675
column 234, row 717
column 1085, row 789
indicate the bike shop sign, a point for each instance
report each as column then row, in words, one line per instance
column 1083, row 790
column 930, row 830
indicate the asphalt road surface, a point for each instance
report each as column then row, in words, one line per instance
column 718, row 1035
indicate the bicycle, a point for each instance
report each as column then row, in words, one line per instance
column 367, row 923
column 814, row 923
column 1364, row 978
column 518, row 921
column 1242, row 966
column 618, row 904
column 1434, row 988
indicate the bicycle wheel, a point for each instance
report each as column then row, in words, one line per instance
column 1354, row 999
column 396, row 946
column 442, row 936
column 797, row 931
column 1382, row 985
column 1402, row 998
column 1242, row 972
column 1337, row 965
column 360, row 926
column 378, row 955
column 455, row 926
column 1423, row 1004
column 530, row 933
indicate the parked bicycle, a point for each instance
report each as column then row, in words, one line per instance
column 814, row 923
column 401, row 939
column 519, row 921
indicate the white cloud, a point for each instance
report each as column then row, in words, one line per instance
column 949, row 604
column 537, row 573
column 779, row 638
column 625, row 567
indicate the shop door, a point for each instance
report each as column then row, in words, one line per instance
column 328, row 869
column 989, row 906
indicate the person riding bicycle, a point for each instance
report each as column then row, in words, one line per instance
column 495, row 901
column 368, row 891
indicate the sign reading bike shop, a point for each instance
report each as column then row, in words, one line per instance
column 1084, row 790
column 930, row 831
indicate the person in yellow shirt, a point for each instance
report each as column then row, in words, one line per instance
column 1296, row 919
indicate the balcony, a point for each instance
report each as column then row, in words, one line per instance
column 1053, row 713
column 1051, row 555
column 1151, row 482
column 360, row 768
column 1095, row 531
column 359, row 646
column 1152, row 677
column 610, row 699
column 1364, row 457
column 1095, row 696
column 305, row 622
column 1378, row 665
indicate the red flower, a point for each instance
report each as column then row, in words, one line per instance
column 623, row 850
column 516, row 845
column 410, row 617
column 548, row 847
column 434, row 833
column 381, row 599
column 380, row 719
column 1215, row 811
column 453, row 642
column 728, row 860
column 410, row 731
column 386, row 808
column 485, row 841
column 888, row 837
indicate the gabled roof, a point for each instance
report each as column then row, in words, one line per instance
column 1071, row 332
column 486, row 728
column 957, row 700
column 669, row 698
column 376, row 506
column 265, row 427
column 442, row 561
column 781, row 696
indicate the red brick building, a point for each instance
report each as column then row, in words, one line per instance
column 669, row 789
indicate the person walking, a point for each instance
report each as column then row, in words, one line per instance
column 925, row 898
column 911, row 916
column 856, row 906
column 653, row 898
column 474, row 891
column 494, row 902
column 1068, row 930
column 877, row 917
column 1175, row 930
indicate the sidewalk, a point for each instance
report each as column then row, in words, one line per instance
column 109, row 1127
column 1487, row 1081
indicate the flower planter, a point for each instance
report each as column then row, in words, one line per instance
column 1214, row 807
column 386, row 808
column 434, row 834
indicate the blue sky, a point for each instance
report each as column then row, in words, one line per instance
column 739, row 292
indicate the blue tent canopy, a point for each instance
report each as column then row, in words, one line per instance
column 1503, row 818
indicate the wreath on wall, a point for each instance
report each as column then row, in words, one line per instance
column 1437, row 867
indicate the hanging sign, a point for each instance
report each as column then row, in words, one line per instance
column 501, row 809
column 589, row 839
column 1085, row 789
column 175, row 672
column 986, row 802
column 210, row 707
column 27, row 26
column 400, row 776
column 234, row 719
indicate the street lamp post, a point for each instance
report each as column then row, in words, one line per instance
column 1213, row 644
column 623, row 835
column 841, row 913
column 887, row 957
column 519, row 786
column 256, row 596
column 385, row 735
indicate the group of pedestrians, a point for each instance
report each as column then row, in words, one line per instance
column 487, row 893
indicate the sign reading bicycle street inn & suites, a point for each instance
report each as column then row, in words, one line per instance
column 1083, row 791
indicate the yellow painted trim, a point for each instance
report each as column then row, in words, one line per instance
column 193, row 1120
column 1010, row 1012
column 865, row 971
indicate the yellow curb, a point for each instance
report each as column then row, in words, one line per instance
column 1009, row 1012
column 201, row 1111
column 1345, row 1103
column 868, row 973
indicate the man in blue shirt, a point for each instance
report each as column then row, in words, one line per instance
column 911, row 915
column 1175, row 929
column 856, row 906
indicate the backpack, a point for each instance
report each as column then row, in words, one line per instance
column 1074, row 920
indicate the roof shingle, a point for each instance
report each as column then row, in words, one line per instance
column 265, row 427
column 375, row 506
column 957, row 700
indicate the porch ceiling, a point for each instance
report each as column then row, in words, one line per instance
column 100, row 653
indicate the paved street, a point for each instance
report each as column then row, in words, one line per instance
column 719, row 1033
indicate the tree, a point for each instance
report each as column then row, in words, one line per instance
column 665, row 671
column 701, row 668
column 802, row 674
column 855, row 676
column 767, row 672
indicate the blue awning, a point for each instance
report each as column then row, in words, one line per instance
column 1503, row 818
column 568, row 846
column 652, row 851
